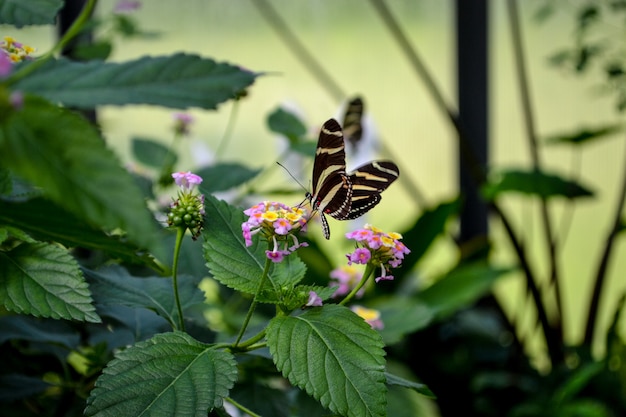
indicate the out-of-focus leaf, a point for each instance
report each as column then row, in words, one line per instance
column 169, row 375
column 32, row 12
column 44, row 280
column 424, row 231
column 416, row 386
column 14, row 387
column 459, row 288
column 584, row 135
column 38, row 330
column 152, row 153
column 286, row 124
column 224, row 176
column 63, row 154
column 534, row 183
column 402, row 316
column 178, row 81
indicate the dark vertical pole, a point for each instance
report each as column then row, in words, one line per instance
column 68, row 13
column 472, row 71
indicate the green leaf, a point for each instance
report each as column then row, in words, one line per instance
column 32, row 12
column 424, row 231
column 14, row 387
column 286, row 124
column 63, row 154
column 535, row 183
column 178, row 81
column 47, row 222
column 415, row 386
column 231, row 262
column 584, row 135
column 115, row 286
column 335, row 356
column 169, row 375
column 402, row 316
column 44, row 280
column 6, row 184
column 459, row 288
column 224, row 176
column 37, row 330
column 152, row 153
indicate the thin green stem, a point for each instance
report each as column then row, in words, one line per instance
column 230, row 125
column 180, row 233
column 266, row 270
column 369, row 270
column 241, row 407
column 531, row 134
column 254, row 339
column 71, row 33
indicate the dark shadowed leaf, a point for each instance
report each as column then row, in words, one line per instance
column 584, row 135
column 534, row 183
column 178, row 81
column 286, row 124
column 416, row 386
column 152, row 153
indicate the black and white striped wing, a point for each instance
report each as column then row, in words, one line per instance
column 368, row 182
column 352, row 121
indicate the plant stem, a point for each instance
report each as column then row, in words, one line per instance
column 531, row 134
column 73, row 30
column 180, row 233
column 242, row 407
column 594, row 301
column 369, row 270
column 266, row 270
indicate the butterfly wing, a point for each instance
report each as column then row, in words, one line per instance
column 352, row 127
column 367, row 183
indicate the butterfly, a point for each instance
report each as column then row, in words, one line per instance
column 352, row 125
column 341, row 195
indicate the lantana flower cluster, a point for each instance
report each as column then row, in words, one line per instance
column 277, row 223
column 377, row 248
column 16, row 51
column 187, row 211
column 345, row 278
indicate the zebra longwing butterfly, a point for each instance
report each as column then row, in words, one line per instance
column 341, row 195
column 352, row 125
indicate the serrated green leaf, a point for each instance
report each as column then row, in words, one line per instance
column 64, row 155
column 32, row 12
column 234, row 264
column 535, row 183
column 287, row 124
column 115, row 286
column 584, row 135
column 415, row 386
column 224, row 176
column 44, row 280
column 177, row 81
column 335, row 356
column 47, row 222
column 459, row 288
column 152, row 153
column 169, row 375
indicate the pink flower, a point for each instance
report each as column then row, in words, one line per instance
column 182, row 122
column 6, row 66
column 186, row 180
column 345, row 279
column 282, row 226
column 314, row 300
column 126, row 6
column 371, row 317
column 275, row 255
column 359, row 256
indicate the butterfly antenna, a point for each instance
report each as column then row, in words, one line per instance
column 294, row 178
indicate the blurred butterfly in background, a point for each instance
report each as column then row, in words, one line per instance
column 341, row 195
column 352, row 121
